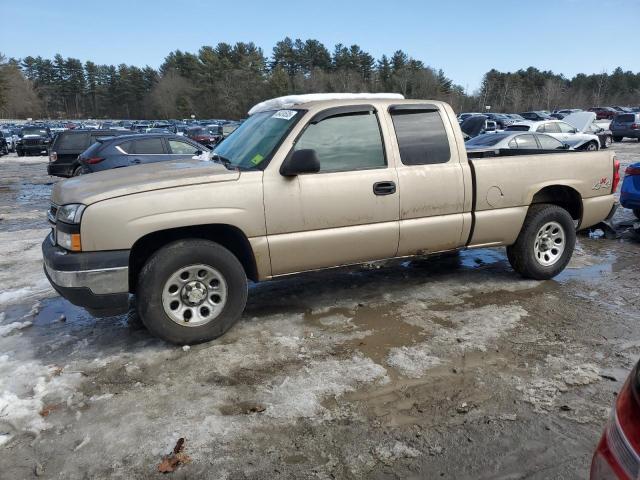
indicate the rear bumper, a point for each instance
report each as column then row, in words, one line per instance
column 626, row 133
column 96, row 281
column 597, row 209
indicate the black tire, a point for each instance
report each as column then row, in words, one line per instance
column 591, row 147
column 636, row 212
column 21, row 153
column 77, row 171
column 169, row 260
column 617, row 139
column 522, row 255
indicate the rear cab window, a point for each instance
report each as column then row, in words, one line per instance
column 421, row 135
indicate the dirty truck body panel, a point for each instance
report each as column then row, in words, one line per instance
column 401, row 201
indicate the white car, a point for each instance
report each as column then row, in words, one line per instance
column 561, row 130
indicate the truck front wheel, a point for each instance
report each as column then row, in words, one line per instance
column 545, row 243
column 191, row 291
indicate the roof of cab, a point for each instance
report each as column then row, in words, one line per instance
column 317, row 102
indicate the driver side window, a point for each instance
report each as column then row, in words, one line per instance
column 345, row 143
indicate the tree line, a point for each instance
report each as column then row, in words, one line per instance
column 226, row 80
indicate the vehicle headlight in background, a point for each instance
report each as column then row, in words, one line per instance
column 71, row 214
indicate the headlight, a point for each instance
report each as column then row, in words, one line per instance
column 71, row 213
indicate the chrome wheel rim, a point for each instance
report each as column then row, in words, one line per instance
column 549, row 244
column 194, row 295
column 591, row 147
column 607, row 142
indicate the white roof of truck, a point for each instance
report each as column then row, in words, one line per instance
column 290, row 101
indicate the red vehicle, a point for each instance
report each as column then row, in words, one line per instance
column 604, row 113
column 618, row 453
column 208, row 136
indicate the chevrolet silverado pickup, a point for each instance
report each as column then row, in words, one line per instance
column 305, row 183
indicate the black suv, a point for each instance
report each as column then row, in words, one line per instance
column 137, row 149
column 68, row 145
column 34, row 139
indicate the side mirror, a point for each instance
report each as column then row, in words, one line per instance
column 300, row 161
column 574, row 130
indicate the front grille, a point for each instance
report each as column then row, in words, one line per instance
column 624, row 453
column 32, row 141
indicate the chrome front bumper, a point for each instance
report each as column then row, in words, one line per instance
column 100, row 282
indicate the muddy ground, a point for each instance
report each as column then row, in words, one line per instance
column 449, row 367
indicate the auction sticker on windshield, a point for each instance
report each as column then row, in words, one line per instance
column 284, row 114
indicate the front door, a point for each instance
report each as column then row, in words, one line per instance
column 348, row 211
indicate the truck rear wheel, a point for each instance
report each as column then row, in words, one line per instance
column 191, row 291
column 636, row 212
column 545, row 243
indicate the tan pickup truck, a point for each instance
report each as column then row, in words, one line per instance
column 304, row 185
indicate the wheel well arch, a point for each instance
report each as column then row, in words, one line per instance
column 562, row 196
column 230, row 237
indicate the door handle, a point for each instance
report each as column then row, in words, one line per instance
column 384, row 188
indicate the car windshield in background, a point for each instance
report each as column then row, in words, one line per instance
column 254, row 141
column 34, row 131
column 487, row 140
column 518, row 128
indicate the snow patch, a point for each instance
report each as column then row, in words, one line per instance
column 412, row 361
column 6, row 330
column 25, row 388
column 300, row 395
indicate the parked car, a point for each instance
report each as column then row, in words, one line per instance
column 625, row 125
column 501, row 119
column 162, row 126
column 533, row 142
column 137, row 149
column 68, row 145
column 604, row 113
column 536, row 116
column 560, row 114
column 316, row 176
column 4, row 146
column 477, row 125
column 617, row 456
column 208, row 136
column 585, row 122
column 463, row 116
column 9, row 140
column 33, row 140
column 561, row 130
column 630, row 191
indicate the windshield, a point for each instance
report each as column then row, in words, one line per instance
column 34, row 131
column 254, row 141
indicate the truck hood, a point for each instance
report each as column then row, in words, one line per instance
column 95, row 187
column 580, row 120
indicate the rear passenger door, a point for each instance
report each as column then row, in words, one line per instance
column 431, row 182
column 148, row 150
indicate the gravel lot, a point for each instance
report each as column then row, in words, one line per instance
column 448, row 367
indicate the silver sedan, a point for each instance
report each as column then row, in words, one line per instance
column 515, row 140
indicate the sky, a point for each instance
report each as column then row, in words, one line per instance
column 465, row 38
